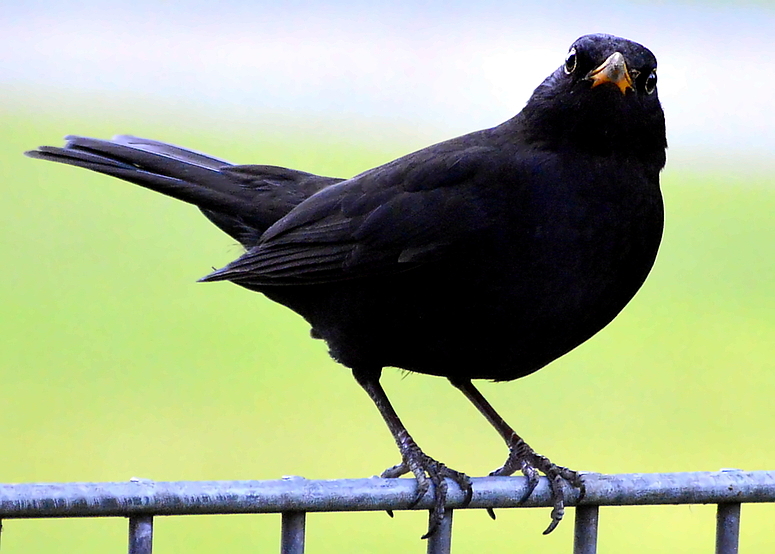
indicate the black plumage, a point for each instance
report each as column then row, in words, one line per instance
column 483, row 257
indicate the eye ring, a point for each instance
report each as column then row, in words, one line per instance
column 651, row 82
column 571, row 61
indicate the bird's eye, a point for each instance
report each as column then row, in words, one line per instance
column 651, row 82
column 570, row 61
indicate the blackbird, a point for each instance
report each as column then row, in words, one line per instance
column 482, row 257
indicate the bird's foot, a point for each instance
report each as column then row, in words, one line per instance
column 523, row 458
column 426, row 470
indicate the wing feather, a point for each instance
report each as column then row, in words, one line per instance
column 412, row 211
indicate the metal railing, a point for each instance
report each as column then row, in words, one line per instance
column 141, row 500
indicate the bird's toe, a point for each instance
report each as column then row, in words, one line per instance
column 426, row 470
column 530, row 463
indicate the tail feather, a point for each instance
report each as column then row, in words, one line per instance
column 179, row 173
column 242, row 200
column 170, row 150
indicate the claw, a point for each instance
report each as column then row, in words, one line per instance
column 553, row 525
column 464, row 482
column 558, row 502
column 437, row 513
column 532, row 480
column 426, row 470
column 395, row 471
column 522, row 457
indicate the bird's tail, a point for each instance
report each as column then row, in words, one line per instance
column 242, row 200
column 183, row 174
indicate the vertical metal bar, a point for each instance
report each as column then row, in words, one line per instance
column 585, row 530
column 440, row 542
column 727, row 528
column 140, row 535
column 292, row 535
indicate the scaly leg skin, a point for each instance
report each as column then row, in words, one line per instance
column 426, row 470
column 523, row 458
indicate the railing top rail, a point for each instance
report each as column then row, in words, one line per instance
column 139, row 496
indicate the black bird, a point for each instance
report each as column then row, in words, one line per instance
column 483, row 257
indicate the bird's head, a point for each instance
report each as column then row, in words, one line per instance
column 602, row 99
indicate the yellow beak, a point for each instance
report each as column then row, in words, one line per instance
column 613, row 70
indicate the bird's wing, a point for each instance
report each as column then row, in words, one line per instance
column 271, row 192
column 414, row 210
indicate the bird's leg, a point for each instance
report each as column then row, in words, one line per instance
column 523, row 458
column 426, row 470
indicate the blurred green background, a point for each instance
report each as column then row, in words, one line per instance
column 114, row 363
